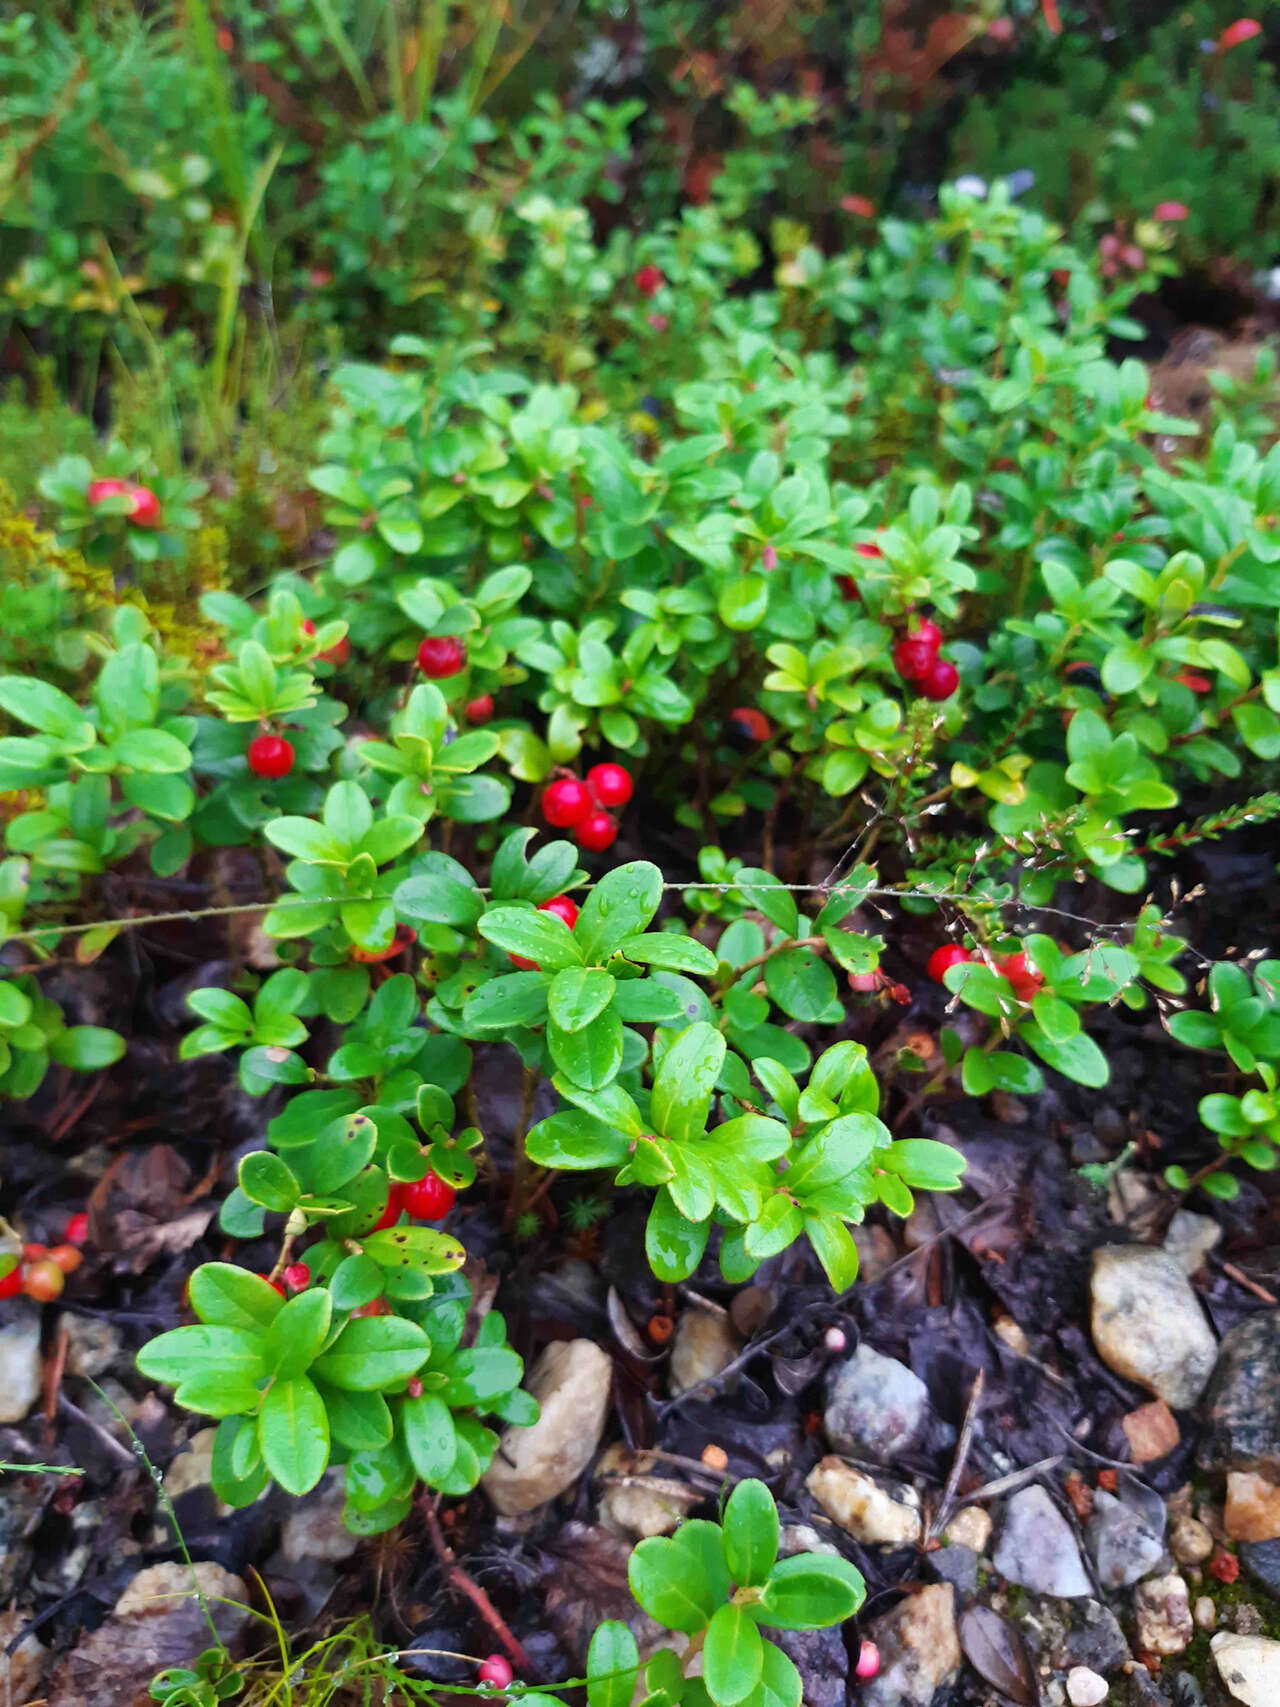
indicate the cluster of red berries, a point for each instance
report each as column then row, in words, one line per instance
column 1026, row 981
column 581, row 806
column 562, row 908
column 42, row 1271
column 915, row 658
column 144, row 506
column 336, row 654
column 440, row 655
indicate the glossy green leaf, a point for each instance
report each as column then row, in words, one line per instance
column 293, row 1430
column 750, row 1526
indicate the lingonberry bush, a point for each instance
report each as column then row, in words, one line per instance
column 882, row 588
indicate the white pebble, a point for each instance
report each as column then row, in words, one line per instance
column 1085, row 1688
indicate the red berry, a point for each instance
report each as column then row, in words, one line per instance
column 913, row 659
column 658, row 322
column 1026, row 981
column 11, row 1283
column 868, row 1661
column 769, row 557
column 864, row 983
column 428, row 1199
column 564, row 909
column 749, row 722
column 597, row 833
column 100, row 490
column 77, row 1230
column 942, row 959
column 336, row 654
column 867, row 549
column 496, row 1670
column 441, row 655
column 297, row 1277
column 1244, row 29
column 270, row 756
column 566, row 803
column 649, row 280
column 43, row 1281
column 376, row 1307
column 848, row 587
column 146, row 507
column 66, row 1257
column 1171, row 213
column 391, row 1214
column 1224, row 1566
column 611, row 785
column 31, row 1252
column 941, row 681
column 404, row 935
column 479, row 710
column 928, row 632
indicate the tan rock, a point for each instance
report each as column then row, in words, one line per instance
column 1205, row 1613
column 635, row 1502
column 1012, row 1335
column 1250, row 1668
column 571, row 1381
column 1148, row 1324
column 1152, row 1432
column 1163, row 1612
column 20, row 1671
column 861, row 1506
column 705, row 1341
column 970, row 1527
column 1190, row 1541
column 919, row 1649
column 1252, row 1511
column 154, row 1592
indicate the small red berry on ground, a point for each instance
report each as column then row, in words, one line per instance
column 77, row 1229
column 440, row 656
column 566, row 803
column 270, row 756
column 11, row 1283
column 479, row 710
column 596, row 833
column 1224, row 1567
column 428, row 1199
column 649, row 280
column 496, row 1670
column 43, row 1281
column 610, row 785
column 868, row 1661
column 942, row 959
column 66, row 1257
column 940, row 681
